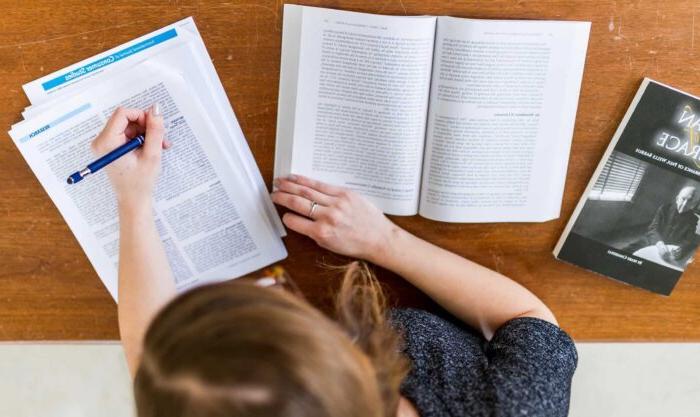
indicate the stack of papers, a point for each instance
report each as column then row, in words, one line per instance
column 212, row 209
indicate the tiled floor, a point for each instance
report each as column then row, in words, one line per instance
column 637, row 380
column 616, row 380
column 64, row 380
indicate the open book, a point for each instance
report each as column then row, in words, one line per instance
column 457, row 120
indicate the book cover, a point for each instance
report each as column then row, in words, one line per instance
column 637, row 221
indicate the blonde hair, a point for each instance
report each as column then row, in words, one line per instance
column 235, row 349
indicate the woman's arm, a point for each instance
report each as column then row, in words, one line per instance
column 477, row 295
column 145, row 279
column 348, row 224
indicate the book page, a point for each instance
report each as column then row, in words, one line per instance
column 353, row 102
column 502, row 108
column 211, row 223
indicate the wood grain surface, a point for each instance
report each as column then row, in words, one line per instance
column 49, row 291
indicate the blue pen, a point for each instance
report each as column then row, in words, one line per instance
column 102, row 162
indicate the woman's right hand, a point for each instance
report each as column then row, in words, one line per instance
column 343, row 222
column 133, row 176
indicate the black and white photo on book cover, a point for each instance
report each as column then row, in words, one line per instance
column 638, row 220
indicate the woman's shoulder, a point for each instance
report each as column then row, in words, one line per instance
column 428, row 333
column 409, row 317
column 447, row 361
column 531, row 365
column 526, row 367
column 533, row 339
column 526, row 338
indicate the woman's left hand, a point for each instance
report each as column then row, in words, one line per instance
column 343, row 221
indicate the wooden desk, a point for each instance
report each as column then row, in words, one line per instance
column 49, row 291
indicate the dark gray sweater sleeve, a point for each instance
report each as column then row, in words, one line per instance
column 530, row 366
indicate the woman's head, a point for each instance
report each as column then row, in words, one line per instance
column 236, row 349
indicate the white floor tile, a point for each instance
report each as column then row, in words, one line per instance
column 637, row 380
column 64, row 380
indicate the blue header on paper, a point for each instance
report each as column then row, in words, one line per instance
column 104, row 61
column 56, row 122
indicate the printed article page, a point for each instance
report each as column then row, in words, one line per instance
column 361, row 103
column 207, row 233
column 502, row 106
column 175, row 47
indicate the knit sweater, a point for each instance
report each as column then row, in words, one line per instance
column 524, row 370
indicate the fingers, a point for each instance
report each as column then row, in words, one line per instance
column 287, row 186
column 316, row 185
column 126, row 123
column 121, row 118
column 296, row 203
column 154, row 132
column 298, row 223
column 120, row 125
column 133, row 130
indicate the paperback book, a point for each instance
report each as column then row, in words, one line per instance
column 637, row 221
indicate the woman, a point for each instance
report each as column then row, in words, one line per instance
column 242, row 349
